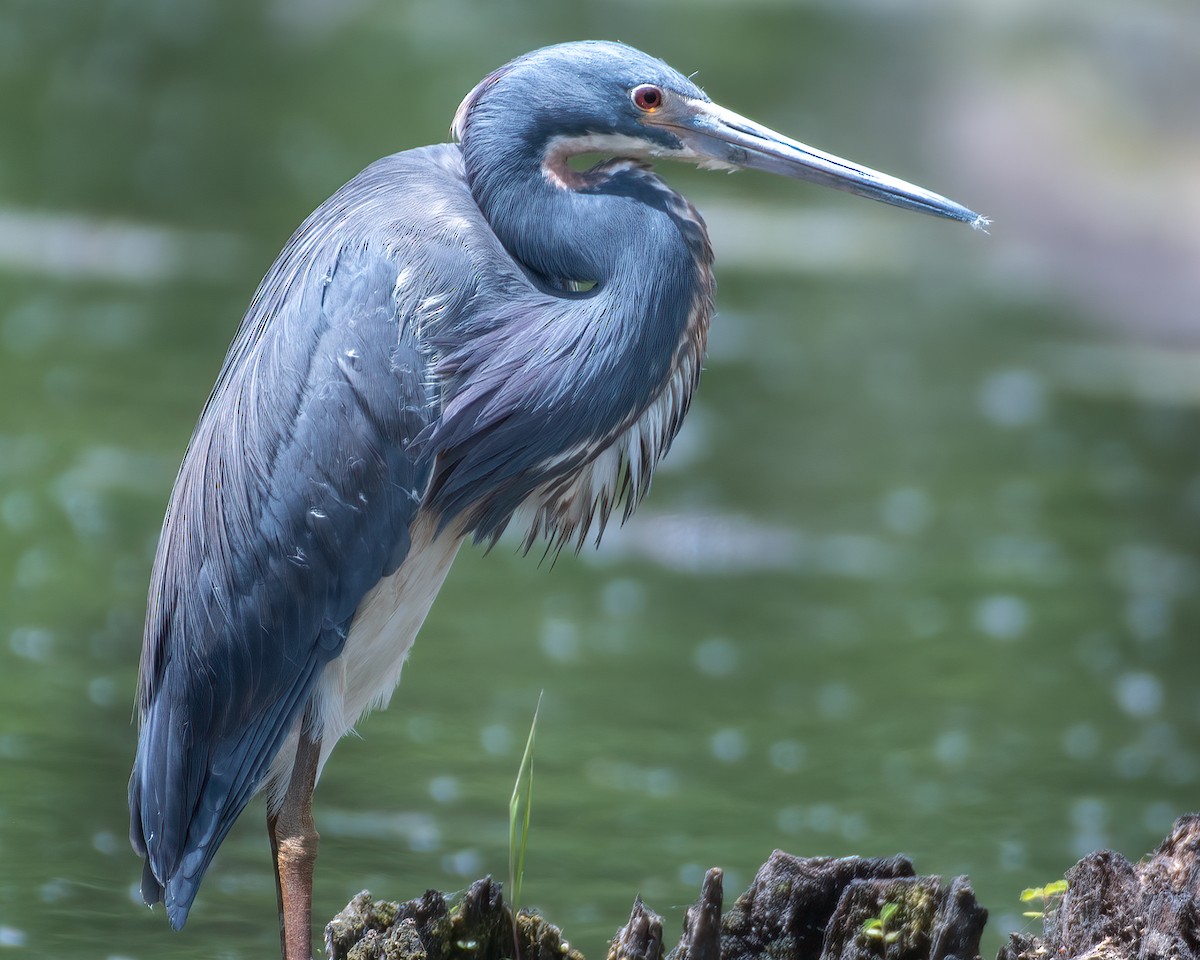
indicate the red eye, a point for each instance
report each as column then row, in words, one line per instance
column 647, row 97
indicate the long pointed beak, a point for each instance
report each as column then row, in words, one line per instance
column 721, row 137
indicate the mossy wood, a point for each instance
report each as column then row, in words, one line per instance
column 822, row 908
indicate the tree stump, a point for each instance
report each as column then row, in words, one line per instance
column 819, row 908
column 1115, row 909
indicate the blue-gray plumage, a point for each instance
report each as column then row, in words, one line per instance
column 461, row 335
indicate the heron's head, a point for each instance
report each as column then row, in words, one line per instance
column 594, row 96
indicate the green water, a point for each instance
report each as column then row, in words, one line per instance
column 919, row 576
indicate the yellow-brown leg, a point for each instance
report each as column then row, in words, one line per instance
column 294, row 842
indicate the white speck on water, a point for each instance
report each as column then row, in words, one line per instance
column 823, row 818
column 423, row 835
column 1002, row 616
column 102, row 691
column 853, row 827
column 836, row 701
column 463, row 863
column 1182, row 769
column 691, row 874
column 906, row 510
column 790, row 820
column 14, row 937
column 898, row 770
column 52, row 891
column 1029, row 558
column 728, row 745
column 1149, row 618
column 13, row 746
column 36, row 568
column 1013, row 398
column 444, row 789
column 854, row 555
column 702, row 543
column 1158, row 816
column 106, row 842
column 623, row 598
column 85, row 509
column 1089, row 818
column 787, row 756
column 1132, row 762
column 631, row 778
column 1151, row 570
column 1088, row 813
column 1139, row 694
column 929, row 797
column 32, row 643
column 420, row 729
column 716, row 657
column 302, row 22
column 952, row 748
column 1080, row 741
column 1011, row 855
column 560, row 640
column 496, row 739
column 660, row 782
column 419, row 830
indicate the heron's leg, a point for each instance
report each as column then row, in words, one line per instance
column 294, row 841
column 272, row 820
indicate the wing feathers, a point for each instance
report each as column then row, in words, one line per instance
column 294, row 498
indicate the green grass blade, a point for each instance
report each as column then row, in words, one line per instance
column 519, row 808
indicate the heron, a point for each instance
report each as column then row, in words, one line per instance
column 464, row 338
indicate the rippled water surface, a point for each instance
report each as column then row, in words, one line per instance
column 919, row 575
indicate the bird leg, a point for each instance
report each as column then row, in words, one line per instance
column 294, row 842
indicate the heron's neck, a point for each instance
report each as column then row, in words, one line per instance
column 619, row 227
column 590, row 388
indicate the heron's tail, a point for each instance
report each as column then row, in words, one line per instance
column 162, row 823
column 192, row 780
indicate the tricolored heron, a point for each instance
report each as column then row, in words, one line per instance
column 462, row 335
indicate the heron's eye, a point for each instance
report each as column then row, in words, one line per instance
column 647, row 97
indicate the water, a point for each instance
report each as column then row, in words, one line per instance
column 919, row 575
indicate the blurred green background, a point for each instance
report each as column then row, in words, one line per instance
column 919, row 576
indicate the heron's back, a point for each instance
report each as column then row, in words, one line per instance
column 295, row 498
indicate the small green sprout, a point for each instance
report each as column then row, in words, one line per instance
column 877, row 927
column 1047, row 895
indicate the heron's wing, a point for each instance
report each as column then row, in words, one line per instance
column 295, row 497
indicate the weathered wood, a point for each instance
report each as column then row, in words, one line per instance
column 476, row 926
column 785, row 911
column 1115, row 909
column 640, row 938
column 701, row 938
column 821, row 908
